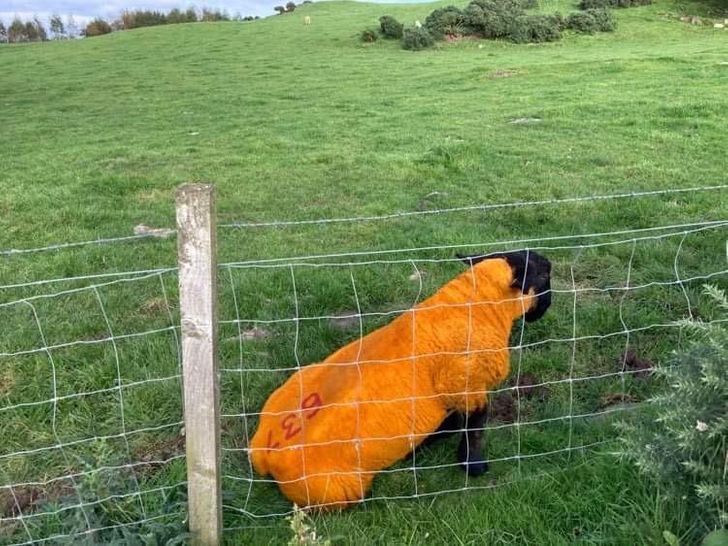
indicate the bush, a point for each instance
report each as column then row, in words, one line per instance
column 591, row 21
column 529, row 4
column 681, row 439
column 596, row 4
column 391, row 28
column 369, row 36
column 445, row 21
column 535, row 28
column 492, row 18
column 290, row 6
column 97, row 27
column 417, row 38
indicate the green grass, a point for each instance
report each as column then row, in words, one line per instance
column 299, row 122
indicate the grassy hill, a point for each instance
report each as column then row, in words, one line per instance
column 304, row 122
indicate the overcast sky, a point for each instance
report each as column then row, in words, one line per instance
column 84, row 10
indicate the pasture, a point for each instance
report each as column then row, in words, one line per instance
column 298, row 122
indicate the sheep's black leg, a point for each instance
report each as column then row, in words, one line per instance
column 470, row 450
column 453, row 423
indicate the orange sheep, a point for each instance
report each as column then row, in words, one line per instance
column 332, row 426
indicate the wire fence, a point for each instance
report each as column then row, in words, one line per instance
column 589, row 361
column 91, row 408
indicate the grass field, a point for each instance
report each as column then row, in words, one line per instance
column 303, row 122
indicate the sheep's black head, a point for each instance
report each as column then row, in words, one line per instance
column 531, row 271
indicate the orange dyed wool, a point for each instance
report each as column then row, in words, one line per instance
column 332, row 426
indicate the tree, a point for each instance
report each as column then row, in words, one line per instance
column 290, row 6
column 280, row 9
column 57, row 28
column 16, row 32
column 97, row 27
column 40, row 32
column 3, row 33
column 30, row 32
column 71, row 27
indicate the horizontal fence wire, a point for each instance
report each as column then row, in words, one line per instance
column 476, row 208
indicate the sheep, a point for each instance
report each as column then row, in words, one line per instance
column 307, row 20
column 332, row 426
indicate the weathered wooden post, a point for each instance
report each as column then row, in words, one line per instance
column 197, row 259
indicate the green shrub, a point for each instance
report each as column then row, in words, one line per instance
column 417, row 38
column 445, row 21
column 391, row 28
column 681, row 437
column 591, row 21
column 535, row 28
column 595, row 4
column 529, row 4
column 492, row 18
column 368, row 35
column 605, row 20
column 97, row 27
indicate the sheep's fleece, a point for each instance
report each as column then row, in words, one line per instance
column 332, row 426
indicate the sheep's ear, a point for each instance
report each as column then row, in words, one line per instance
column 473, row 259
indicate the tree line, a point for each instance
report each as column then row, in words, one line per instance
column 35, row 31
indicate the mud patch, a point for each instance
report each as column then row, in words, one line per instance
column 153, row 306
column 530, row 387
column 616, row 398
column 639, row 367
column 502, row 408
column 155, row 453
column 253, row 334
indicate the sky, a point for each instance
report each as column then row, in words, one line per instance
column 85, row 10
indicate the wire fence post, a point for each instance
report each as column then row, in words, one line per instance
column 196, row 235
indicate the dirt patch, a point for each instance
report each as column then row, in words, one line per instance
column 159, row 450
column 153, row 306
column 616, row 398
column 502, row 408
column 26, row 498
column 639, row 367
column 692, row 20
column 502, row 74
column 253, row 334
column 530, row 387
column 160, row 233
column 345, row 320
column 458, row 38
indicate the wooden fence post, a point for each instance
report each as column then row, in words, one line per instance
column 196, row 242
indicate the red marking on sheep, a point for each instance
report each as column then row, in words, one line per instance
column 270, row 443
column 290, row 425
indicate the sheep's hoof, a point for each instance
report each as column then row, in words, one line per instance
column 475, row 468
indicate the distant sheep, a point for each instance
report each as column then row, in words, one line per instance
column 332, row 426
